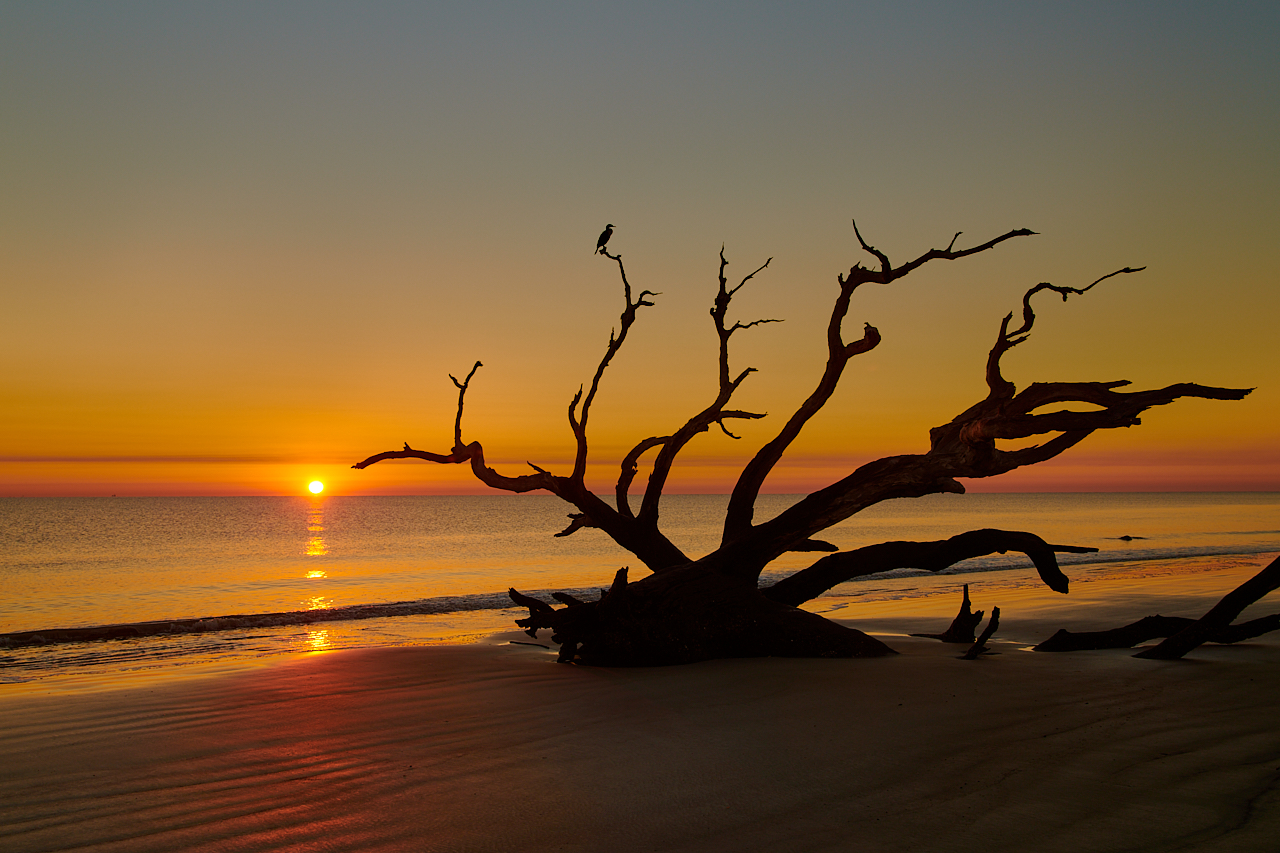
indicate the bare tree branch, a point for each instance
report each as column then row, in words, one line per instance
column 459, row 453
column 646, row 542
column 579, row 521
column 741, row 512
column 629, row 466
column 579, row 423
column 650, row 546
column 473, row 453
column 888, row 272
column 714, row 413
column 1007, row 340
column 931, row 556
column 965, row 447
column 462, row 393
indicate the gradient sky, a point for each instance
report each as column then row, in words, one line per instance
column 243, row 245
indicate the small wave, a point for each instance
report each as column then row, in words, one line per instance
column 500, row 600
column 206, row 624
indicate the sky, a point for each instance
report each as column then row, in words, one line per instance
column 243, row 245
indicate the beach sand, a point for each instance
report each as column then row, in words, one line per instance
column 494, row 747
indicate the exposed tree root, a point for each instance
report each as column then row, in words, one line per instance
column 688, row 616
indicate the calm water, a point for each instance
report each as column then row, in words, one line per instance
column 77, row 562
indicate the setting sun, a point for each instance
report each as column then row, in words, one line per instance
column 316, row 487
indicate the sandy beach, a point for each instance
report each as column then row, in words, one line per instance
column 494, row 747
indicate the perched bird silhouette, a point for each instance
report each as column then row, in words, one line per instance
column 604, row 238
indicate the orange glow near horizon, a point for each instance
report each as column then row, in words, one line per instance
column 1123, row 463
column 193, row 308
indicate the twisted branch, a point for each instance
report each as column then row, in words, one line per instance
column 1007, row 340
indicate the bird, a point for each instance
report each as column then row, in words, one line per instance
column 604, row 238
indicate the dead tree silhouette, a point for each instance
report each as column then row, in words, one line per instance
column 696, row 607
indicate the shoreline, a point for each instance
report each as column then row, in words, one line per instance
column 925, row 602
column 493, row 746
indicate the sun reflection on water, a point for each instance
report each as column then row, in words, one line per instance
column 318, row 602
column 316, row 546
column 318, row 641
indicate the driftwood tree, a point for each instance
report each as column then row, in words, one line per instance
column 696, row 607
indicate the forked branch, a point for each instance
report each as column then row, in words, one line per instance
column 888, row 272
column 965, row 447
column 716, row 413
column 462, row 394
column 648, row 544
column 741, row 512
column 463, row 452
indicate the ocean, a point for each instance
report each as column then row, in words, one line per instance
column 304, row 574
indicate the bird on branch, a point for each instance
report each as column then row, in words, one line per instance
column 604, row 238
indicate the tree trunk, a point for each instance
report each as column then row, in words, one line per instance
column 690, row 614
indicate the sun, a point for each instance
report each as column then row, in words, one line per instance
column 316, row 487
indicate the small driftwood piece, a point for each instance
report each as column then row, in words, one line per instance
column 1151, row 628
column 1219, row 616
column 963, row 627
column 980, row 647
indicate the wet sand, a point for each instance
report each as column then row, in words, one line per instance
column 494, row 747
